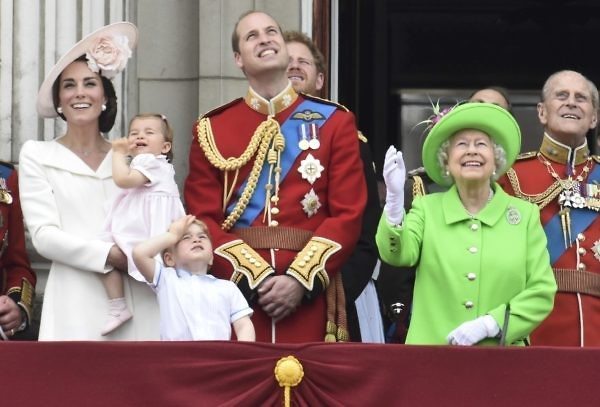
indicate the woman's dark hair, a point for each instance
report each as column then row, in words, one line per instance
column 499, row 89
column 107, row 118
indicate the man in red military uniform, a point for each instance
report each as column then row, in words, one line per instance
column 278, row 179
column 17, row 279
column 562, row 178
column 306, row 71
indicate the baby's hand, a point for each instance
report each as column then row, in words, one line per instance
column 181, row 225
column 121, row 145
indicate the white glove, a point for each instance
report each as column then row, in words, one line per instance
column 471, row 332
column 394, row 174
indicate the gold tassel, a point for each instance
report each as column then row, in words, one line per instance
column 563, row 225
column 568, row 222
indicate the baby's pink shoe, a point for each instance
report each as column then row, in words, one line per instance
column 118, row 314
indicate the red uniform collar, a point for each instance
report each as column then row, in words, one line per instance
column 271, row 107
column 563, row 154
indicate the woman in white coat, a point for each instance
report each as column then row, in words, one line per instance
column 65, row 185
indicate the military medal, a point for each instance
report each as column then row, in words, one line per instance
column 570, row 196
column 310, row 203
column 310, row 168
column 592, row 197
column 303, row 136
column 314, row 142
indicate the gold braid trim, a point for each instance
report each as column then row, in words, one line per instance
column 541, row 199
column 207, row 142
column 245, row 261
column 310, row 262
column 23, row 296
column 418, row 187
column 259, row 144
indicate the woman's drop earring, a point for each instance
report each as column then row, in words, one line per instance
column 103, row 107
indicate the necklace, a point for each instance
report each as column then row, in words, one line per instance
column 82, row 152
column 570, row 196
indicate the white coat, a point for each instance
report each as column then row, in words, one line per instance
column 64, row 204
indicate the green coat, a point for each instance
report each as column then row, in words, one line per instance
column 469, row 267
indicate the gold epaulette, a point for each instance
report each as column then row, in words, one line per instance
column 596, row 158
column 326, row 101
column 362, row 137
column 527, row 155
column 246, row 262
column 310, row 262
column 219, row 109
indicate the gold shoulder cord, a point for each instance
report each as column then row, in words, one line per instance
column 259, row 144
column 418, row 188
column 541, row 199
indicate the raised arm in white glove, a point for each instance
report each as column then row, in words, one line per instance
column 394, row 174
column 471, row 332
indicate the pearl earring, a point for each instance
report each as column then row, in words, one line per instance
column 446, row 173
column 103, row 107
column 59, row 110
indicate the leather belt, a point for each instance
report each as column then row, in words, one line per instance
column 278, row 237
column 573, row 281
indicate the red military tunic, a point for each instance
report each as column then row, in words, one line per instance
column 306, row 235
column 17, row 279
column 575, row 319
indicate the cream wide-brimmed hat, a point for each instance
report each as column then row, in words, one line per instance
column 107, row 50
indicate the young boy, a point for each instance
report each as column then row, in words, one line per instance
column 193, row 305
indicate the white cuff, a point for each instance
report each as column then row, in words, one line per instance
column 492, row 327
column 393, row 215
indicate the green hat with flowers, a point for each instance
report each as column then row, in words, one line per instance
column 495, row 121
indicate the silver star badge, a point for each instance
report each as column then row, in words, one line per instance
column 310, row 168
column 310, row 203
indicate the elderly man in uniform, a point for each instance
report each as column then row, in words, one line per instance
column 278, row 179
column 306, row 71
column 17, row 279
column 562, row 178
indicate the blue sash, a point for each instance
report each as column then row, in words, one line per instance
column 581, row 218
column 306, row 111
column 5, row 171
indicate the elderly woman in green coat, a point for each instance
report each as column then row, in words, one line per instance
column 483, row 270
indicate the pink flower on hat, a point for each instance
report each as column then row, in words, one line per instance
column 108, row 55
